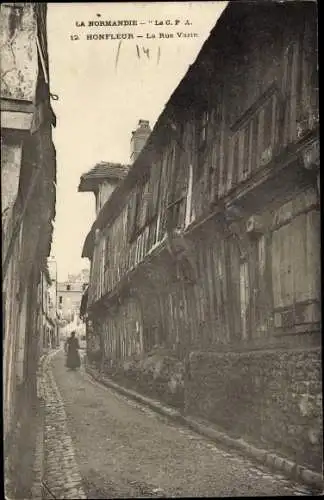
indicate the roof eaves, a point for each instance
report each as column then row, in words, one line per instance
column 88, row 244
column 116, row 200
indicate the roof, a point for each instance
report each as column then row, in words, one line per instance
column 161, row 131
column 220, row 44
column 100, row 172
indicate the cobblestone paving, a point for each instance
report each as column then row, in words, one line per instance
column 125, row 450
column 61, row 477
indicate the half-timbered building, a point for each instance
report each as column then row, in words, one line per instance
column 210, row 246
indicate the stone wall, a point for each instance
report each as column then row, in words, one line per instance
column 269, row 397
column 10, row 172
column 158, row 374
column 18, row 51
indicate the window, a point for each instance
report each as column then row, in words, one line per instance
column 107, row 253
column 153, row 192
column 254, row 124
column 236, row 156
column 202, row 132
column 253, row 140
column 246, row 151
column 267, row 138
column 132, row 209
column 145, row 207
column 156, row 180
column 68, row 287
column 140, row 209
column 60, row 299
column 203, row 129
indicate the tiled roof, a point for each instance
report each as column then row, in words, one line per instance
column 101, row 171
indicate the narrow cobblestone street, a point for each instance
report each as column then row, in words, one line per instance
column 99, row 444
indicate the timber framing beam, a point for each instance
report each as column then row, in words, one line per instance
column 23, row 115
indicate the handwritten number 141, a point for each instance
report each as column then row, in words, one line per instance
column 146, row 51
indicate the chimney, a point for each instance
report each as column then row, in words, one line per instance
column 139, row 138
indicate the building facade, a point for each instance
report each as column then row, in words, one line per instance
column 28, row 174
column 69, row 295
column 210, row 246
column 102, row 180
column 48, row 291
column 52, row 298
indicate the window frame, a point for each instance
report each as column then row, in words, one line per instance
column 248, row 138
column 203, row 121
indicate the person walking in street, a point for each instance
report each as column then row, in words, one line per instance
column 72, row 350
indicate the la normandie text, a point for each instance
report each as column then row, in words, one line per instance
column 108, row 23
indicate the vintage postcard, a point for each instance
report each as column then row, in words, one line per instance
column 161, row 249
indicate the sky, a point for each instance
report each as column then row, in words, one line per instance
column 104, row 87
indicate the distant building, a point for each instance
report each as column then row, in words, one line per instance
column 69, row 295
column 52, row 269
column 81, row 277
column 48, row 338
column 52, row 299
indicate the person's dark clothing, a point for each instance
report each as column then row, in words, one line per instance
column 73, row 357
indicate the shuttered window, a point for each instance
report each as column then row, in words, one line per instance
column 144, row 206
column 291, row 69
column 295, row 261
column 253, row 141
column 155, row 189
